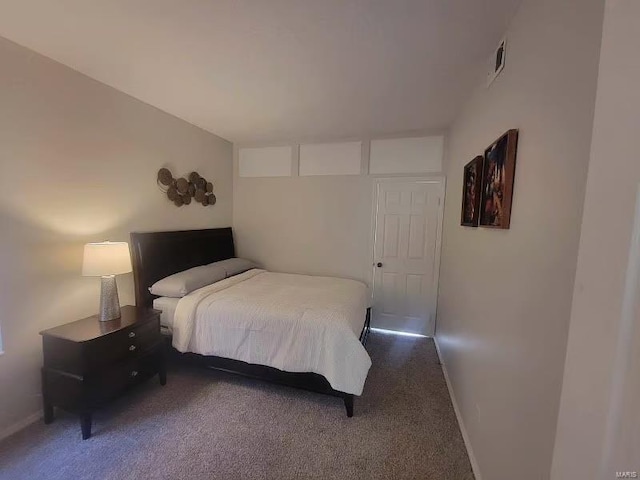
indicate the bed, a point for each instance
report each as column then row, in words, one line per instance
column 234, row 324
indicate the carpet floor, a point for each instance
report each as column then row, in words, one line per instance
column 211, row 425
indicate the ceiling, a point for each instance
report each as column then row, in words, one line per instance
column 268, row 70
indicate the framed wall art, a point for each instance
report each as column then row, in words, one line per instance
column 471, row 191
column 497, row 181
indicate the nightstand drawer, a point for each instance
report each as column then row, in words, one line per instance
column 122, row 345
column 107, row 384
column 78, row 393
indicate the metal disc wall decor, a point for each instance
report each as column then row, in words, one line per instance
column 164, row 177
column 183, row 185
column 181, row 191
column 200, row 195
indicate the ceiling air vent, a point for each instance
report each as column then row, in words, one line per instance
column 497, row 61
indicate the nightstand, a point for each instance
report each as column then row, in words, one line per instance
column 88, row 362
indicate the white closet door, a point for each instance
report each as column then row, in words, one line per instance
column 406, row 254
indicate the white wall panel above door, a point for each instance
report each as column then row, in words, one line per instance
column 406, row 155
column 331, row 158
column 265, row 161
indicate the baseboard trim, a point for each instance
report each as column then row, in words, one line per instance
column 16, row 427
column 463, row 430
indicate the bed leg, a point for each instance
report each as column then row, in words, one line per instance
column 348, row 403
column 368, row 325
column 366, row 329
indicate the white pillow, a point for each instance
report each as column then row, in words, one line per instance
column 182, row 283
column 234, row 266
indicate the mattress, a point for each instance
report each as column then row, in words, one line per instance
column 295, row 323
column 168, row 307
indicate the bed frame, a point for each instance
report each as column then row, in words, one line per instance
column 156, row 255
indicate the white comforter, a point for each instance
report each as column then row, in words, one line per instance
column 295, row 323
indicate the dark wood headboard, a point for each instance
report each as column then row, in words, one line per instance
column 156, row 255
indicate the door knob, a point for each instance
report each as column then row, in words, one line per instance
column 379, row 264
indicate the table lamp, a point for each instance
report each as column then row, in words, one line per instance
column 106, row 260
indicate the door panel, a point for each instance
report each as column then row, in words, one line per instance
column 417, row 229
column 408, row 216
column 391, row 236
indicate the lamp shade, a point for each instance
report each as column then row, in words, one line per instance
column 106, row 258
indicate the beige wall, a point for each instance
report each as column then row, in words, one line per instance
column 599, row 425
column 313, row 225
column 505, row 296
column 78, row 163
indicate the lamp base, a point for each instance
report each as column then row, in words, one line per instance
column 109, row 301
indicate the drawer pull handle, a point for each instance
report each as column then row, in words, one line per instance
column 132, row 334
column 132, row 348
column 134, row 373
